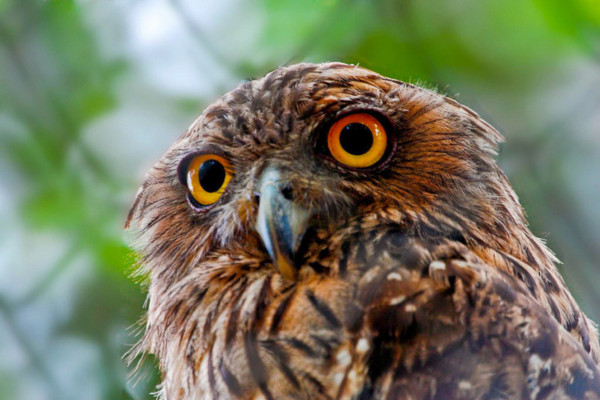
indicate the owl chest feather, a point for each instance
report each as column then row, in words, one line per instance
column 379, row 315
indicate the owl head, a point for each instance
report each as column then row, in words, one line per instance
column 289, row 159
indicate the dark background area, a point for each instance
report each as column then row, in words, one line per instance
column 93, row 92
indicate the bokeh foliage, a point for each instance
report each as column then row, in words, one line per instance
column 89, row 98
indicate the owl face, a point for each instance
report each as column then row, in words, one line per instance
column 296, row 155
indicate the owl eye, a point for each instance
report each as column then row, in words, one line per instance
column 207, row 177
column 357, row 140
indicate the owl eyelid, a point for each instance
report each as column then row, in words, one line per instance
column 197, row 207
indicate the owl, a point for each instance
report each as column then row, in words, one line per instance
column 326, row 232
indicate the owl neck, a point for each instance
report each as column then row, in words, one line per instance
column 492, row 220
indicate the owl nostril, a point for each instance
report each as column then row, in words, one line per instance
column 286, row 191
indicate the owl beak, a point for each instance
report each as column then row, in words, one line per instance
column 281, row 222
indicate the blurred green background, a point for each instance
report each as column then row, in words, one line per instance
column 93, row 92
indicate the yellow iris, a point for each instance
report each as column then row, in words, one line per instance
column 207, row 177
column 357, row 140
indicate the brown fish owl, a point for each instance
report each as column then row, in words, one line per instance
column 329, row 233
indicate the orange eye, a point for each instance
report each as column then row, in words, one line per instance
column 357, row 140
column 207, row 177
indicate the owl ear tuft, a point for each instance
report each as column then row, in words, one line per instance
column 478, row 125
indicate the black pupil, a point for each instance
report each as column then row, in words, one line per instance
column 356, row 139
column 211, row 175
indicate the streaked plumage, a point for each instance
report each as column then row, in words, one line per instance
column 418, row 279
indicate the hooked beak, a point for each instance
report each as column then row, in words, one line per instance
column 281, row 223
